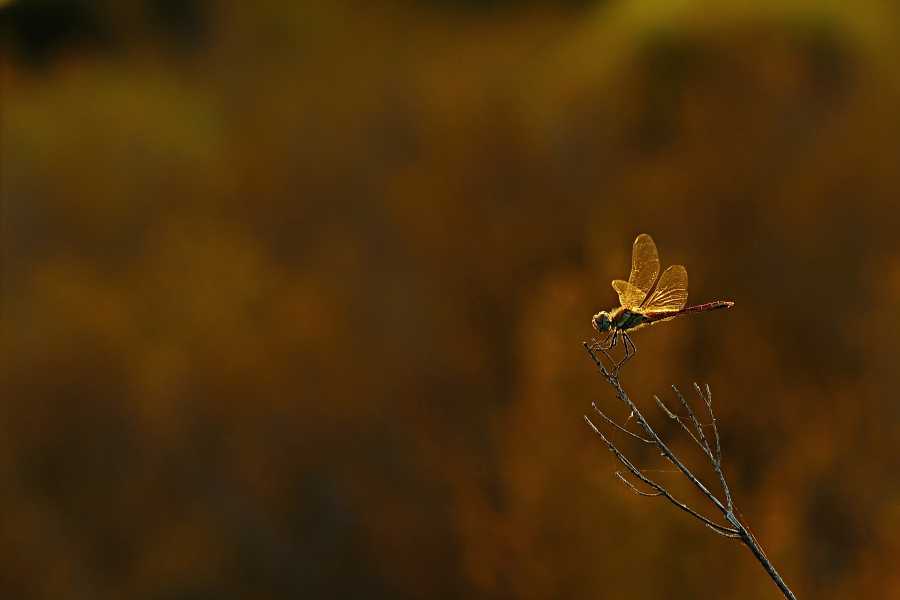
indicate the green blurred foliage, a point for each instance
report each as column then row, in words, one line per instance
column 293, row 295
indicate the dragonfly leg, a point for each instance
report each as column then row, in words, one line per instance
column 630, row 350
column 613, row 339
column 606, row 344
column 609, row 341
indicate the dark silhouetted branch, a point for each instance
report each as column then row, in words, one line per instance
column 734, row 529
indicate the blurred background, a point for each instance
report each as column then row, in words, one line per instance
column 293, row 295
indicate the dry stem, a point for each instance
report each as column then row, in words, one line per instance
column 734, row 529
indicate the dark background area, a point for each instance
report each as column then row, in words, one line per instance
column 293, row 295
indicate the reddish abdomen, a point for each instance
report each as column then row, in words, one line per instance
column 657, row 315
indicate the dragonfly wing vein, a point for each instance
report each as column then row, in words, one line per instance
column 644, row 264
column 671, row 291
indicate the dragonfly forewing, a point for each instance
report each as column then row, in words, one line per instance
column 644, row 265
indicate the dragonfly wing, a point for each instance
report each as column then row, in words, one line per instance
column 629, row 295
column 671, row 291
column 644, row 271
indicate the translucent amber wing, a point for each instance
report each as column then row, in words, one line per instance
column 629, row 296
column 644, row 271
column 671, row 291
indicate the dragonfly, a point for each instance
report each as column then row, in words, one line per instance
column 639, row 307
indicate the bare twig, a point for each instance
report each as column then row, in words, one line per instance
column 734, row 529
column 619, row 427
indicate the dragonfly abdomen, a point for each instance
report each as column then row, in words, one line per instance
column 663, row 315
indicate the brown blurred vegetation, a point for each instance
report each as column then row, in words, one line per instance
column 293, row 294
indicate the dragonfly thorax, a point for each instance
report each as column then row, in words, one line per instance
column 620, row 318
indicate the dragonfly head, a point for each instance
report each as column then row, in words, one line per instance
column 602, row 322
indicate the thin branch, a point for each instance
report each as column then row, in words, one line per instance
column 620, row 394
column 661, row 491
column 619, row 427
column 666, row 410
column 680, row 422
column 707, row 400
column 634, row 489
column 717, row 462
column 697, row 426
column 737, row 530
column 734, row 536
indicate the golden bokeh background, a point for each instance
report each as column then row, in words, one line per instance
column 293, row 295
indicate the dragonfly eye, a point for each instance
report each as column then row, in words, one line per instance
column 601, row 321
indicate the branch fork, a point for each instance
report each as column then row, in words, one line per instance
column 734, row 529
